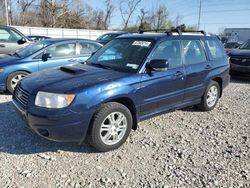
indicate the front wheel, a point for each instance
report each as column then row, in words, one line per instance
column 13, row 80
column 210, row 97
column 110, row 127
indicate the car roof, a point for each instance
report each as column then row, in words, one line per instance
column 56, row 40
column 159, row 36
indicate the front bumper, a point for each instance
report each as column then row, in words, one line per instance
column 70, row 127
column 239, row 68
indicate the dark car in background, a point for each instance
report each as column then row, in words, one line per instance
column 132, row 78
column 105, row 38
column 37, row 37
column 240, row 59
column 42, row 55
column 230, row 46
column 11, row 40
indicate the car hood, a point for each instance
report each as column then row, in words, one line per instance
column 68, row 79
column 7, row 60
column 240, row 52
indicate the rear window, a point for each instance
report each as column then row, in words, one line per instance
column 215, row 49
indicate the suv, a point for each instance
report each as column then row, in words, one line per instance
column 132, row 78
column 11, row 40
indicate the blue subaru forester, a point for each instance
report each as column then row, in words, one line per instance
column 132, row 78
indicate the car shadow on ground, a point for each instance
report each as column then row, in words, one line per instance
column 237, row 78
column 17, row 138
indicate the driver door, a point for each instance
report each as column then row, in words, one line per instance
column 61, row 54
column 164, row 89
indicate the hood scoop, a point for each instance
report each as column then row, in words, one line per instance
column 72, row 70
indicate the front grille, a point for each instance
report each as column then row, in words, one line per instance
column 21, row 96
column 238, row 60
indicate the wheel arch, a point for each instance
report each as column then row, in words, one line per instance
column 220, row 82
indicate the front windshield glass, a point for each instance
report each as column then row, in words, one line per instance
column 125, row 55
column 32, row 48
column 245, row 45
column 107, row 37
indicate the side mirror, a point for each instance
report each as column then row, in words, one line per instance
column 46, row 56
column 21, row 41
column 158, row 65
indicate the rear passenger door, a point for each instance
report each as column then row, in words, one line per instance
column 197, row 68
column 164, row 89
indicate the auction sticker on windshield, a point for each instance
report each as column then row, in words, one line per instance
column 141, row 43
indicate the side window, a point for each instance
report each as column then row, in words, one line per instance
column 9, row 36
column 4, row 35
column 193, row 52
column 88, row 48
column 215, row 49
column 169, row 50
column 62, row 50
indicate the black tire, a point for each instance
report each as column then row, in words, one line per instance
column 94, row 136
column 11, row 77
column 204, row 102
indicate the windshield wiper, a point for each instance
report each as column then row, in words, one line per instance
column 100, row 65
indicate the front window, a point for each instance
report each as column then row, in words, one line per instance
column 62, row 50
column 32, row 48
column 245, row 45
column 125, row 55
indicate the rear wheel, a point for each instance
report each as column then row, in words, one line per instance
column 13, row 80
column 210, row 97
column 111, row 126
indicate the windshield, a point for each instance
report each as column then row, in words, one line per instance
column 245, row 45
column 32, row 48
column 125, row 55
column 108, row 37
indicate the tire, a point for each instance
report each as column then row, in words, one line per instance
column 210, row 97
column 106, row 134
column 13, row 79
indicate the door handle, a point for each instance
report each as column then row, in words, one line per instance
column 208, row 67
column 2, row 45
column 178, row 74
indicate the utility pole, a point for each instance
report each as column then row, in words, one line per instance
column 7, row 12
column 199, row 18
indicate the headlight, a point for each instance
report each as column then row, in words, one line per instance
column 53, row 100
column 1, row 70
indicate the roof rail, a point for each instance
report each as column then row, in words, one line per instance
column 179, row 29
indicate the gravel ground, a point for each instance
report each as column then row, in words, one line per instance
column 185, row 148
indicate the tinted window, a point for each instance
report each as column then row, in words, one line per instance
column 170, row 51
column 88, row 48
column 107, row 37
column 193, row 52
column 124, row 55
column 62, row 50
column 215, row 49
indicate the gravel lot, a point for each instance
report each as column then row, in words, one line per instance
column 185, row 148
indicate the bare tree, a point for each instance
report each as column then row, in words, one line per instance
column 127, row 8
column 109, row 10
column 159, row 19
column 24, row 9
column 142, row 18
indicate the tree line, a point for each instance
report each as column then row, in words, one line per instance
column 78, row 14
